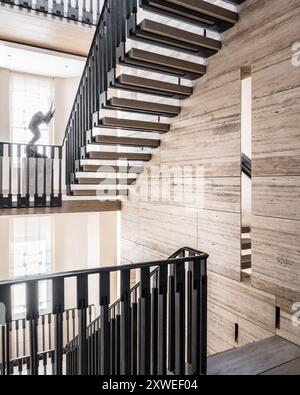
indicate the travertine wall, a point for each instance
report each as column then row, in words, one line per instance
column 207, row 133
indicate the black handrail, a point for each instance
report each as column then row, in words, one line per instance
column 109, row 269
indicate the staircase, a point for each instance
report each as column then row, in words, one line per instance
column 159, row 326
column 142, row 62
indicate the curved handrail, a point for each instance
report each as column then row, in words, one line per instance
column 195, row 254
column 78, row 273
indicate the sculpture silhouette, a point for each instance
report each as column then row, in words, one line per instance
column 36, row 121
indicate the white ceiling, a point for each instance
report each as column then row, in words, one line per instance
column 38, row 61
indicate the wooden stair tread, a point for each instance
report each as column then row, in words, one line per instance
column 127, row 141
column 97, row 180
column 166, row 64
column 139, row 156
column 246, row 229
column 207, row 14
column 147, row 85
column 130, row 124
column 109, row 194
column 143, row 106
column 246, row 244
column 125, row 170
column 182, row 39
column 246, row 261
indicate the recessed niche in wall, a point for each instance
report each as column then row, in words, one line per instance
column 246, row 173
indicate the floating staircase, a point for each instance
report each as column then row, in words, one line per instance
column 141, row 64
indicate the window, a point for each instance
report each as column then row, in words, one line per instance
column 28, row 95
column 31, row 254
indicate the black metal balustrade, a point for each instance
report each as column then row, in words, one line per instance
column 99, row 73
column 30, row 175
column 85, row 11
column 156, row 327
column 19, row 342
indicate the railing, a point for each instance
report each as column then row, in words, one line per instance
column 99, row 73
column 19, row 342
column 30, row 175
column 83, row 11
column 158, row 326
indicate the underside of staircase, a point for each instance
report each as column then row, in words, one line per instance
column 164, row 47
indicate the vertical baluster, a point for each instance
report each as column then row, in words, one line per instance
column 95, row 348
column 68, row 325
column 89, row 350
column 199, row 317
column 154, row 324
column 134, row 333
column 5, row 299
column 17, row 331
column 32, row 317
column 171, row 320
column 60, row 155
column 27, row 159
column 10, row 153
column 180, row 318
column 144, row 325
column 36, row 165
column 190, row 317
column 112, row 325
column 117, row 341
column 73, row 324
column 24, row 336
column 44, row 176
column 82, row 304
column 50, row 331
column 58, row 306
column 19, row 203
column 52, row 156
column 125, row 322
column 104, row 323
column 3, row 360
column 162, row 319
column 1, row 175
column 45, row 355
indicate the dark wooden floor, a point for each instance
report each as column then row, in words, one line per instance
column 273, row 356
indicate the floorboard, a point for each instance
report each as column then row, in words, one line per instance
column 291, row 368
column 254, row 359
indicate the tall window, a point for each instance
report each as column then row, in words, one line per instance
column 31, row 254
column 28, row 95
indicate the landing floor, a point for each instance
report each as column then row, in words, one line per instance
column 273, row 356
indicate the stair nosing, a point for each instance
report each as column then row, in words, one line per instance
column 207, row 42
column 184, row 66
